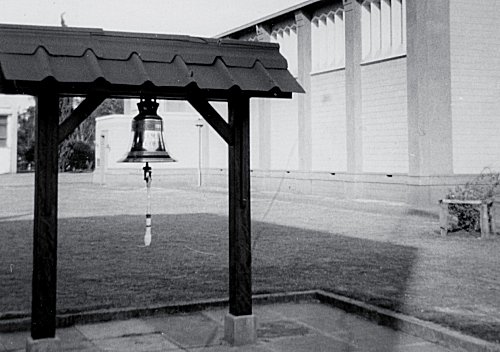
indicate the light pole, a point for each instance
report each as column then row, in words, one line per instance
column 199, row 124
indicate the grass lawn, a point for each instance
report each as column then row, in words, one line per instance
column 396, row 262
column 101, row 265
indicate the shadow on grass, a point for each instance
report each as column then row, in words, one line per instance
column 101, row 262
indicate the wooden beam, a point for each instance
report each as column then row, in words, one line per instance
column 81, row 113
column 43, row 309
column 240, row 260
column 200, row 104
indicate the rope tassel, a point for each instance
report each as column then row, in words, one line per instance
column 148, row 179
column 147, row 235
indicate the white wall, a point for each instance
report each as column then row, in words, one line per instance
column 284, row 112
column 117, row 130
column 385, row 117
column 5, row 160
column 6, row 152
column 475, row 85
column 254, row 133
column 284, row 134
column 328, row 122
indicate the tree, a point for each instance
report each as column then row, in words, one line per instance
column 83, row 134
column 65, row 109
column 79, row 146
column 26, row 138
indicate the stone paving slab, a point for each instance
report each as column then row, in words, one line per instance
column 137, row 343
column 290, row 327
column 115, row 329
column 13, row 341
column 316, row 343
column 189, row 330
column 73, row 340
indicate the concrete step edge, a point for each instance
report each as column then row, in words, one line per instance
column 426, row 330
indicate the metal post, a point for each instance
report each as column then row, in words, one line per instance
column 199, row 124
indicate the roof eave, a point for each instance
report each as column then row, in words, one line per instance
column 124, row 91
column 268, row 18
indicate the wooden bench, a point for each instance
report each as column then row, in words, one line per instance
column 486, row 221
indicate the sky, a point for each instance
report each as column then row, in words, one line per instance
column 205, row 18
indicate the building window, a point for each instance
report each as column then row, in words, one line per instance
column 3, row 131
column 328, row 41
column 383, row 27
column 287, row 39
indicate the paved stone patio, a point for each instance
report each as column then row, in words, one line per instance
column 291, row 327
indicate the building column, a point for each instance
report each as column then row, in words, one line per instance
column 304, row 48
column 264, row 113
column 430, row 145
column 354, row 125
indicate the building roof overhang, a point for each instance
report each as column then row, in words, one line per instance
column 82, row 61
column 273, row 18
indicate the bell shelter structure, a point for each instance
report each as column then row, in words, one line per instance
column 50, row 62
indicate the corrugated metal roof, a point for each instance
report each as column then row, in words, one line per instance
column 78, row 58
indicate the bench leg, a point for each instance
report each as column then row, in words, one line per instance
column 486, row 221
column 483, row 220
column 491, row 214
column 443, row 219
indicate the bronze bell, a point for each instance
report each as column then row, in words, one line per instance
column 147, row 143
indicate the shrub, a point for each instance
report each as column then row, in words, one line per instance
column 81, row 156
column 481, row 187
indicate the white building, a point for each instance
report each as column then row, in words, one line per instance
column 8, row 136
column 402, row 103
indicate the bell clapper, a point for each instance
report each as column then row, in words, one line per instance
column 148, row 179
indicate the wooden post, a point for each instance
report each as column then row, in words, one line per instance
column 43, row 309
column 240, row 275
column 240, row 327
